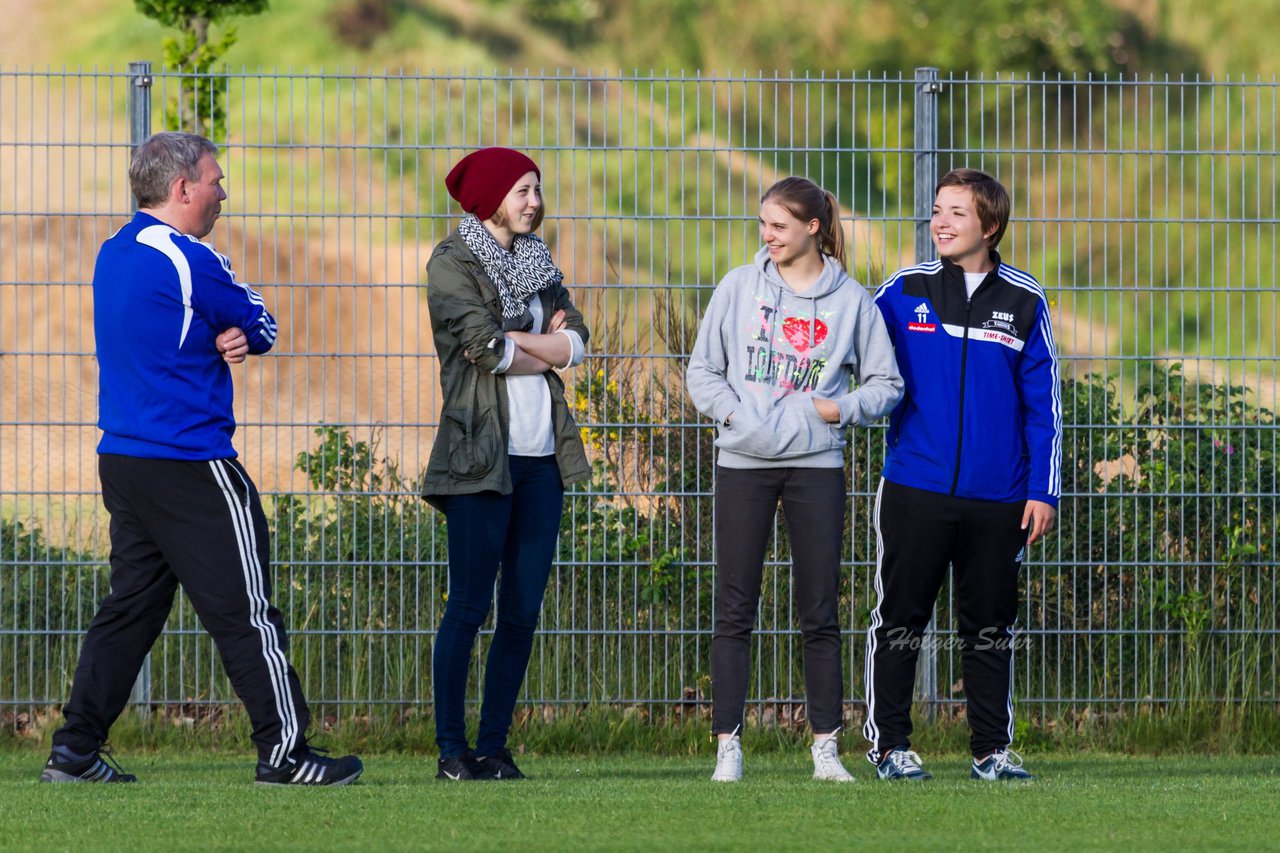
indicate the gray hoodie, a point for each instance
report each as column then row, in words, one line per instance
column 764, row 352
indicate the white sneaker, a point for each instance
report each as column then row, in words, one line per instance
column 728, row 760
column 826, row 760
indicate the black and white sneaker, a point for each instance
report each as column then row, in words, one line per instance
column 460, row 768
column 1003, row 765
column 898, row 763
column 307, row 766
column 499, row 766
column 64, row 766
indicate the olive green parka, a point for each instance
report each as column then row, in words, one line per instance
column 470, row 451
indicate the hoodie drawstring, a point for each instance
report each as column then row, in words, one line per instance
column 813, row 322
column 773, row 319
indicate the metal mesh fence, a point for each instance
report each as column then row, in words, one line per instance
column 1146, row 207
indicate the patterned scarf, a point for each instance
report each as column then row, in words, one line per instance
column 519, row 274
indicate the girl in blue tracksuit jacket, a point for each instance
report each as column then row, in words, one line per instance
column 972, row 473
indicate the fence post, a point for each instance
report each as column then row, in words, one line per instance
column 925, row 176
column 926, row 160
column 139, row 105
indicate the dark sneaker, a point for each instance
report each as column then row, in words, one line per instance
column 899, row 763
column 96, row 767
column 307, row 766
column 1003, row 765
column 461, row 768
column 499, row 765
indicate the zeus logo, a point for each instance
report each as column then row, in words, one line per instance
column 1002, row 315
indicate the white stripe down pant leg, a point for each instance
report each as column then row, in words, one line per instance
column 915, row 531
column 990, row 545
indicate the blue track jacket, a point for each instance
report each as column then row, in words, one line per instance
column 982, row 414
column 159, row 300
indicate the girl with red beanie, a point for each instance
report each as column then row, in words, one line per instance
column 507, row 446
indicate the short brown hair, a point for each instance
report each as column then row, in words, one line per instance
column 161, row 160
column 990, row 199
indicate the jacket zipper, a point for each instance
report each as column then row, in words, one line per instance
column 964, row 356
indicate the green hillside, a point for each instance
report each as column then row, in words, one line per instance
column 1069, row 36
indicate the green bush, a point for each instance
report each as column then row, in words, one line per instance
column 47, row 593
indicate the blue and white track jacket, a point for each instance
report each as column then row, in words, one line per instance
column 159, row 300
column 982, row 414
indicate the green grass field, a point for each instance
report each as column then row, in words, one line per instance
column 189, row 801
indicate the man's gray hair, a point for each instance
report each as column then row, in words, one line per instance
column 161, row 160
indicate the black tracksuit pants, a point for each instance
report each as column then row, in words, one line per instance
column 918, row 535
column 201, row 525
column 813, row 505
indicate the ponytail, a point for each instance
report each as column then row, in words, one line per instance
column 831, row 233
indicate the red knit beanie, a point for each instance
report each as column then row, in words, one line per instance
column 482, row 179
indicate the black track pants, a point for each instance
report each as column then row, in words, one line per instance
column 201, row 525
column 918, row 535
column 813, row 505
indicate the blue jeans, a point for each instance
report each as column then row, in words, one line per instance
column 516, row 532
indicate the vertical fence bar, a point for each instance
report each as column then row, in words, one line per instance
column 925, row 175
column 139, row 106
column 925, row 172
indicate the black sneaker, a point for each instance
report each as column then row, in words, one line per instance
column 898, row 763
column 96, row 767
column 308, row 767
column 461, row 768
column 499, row 765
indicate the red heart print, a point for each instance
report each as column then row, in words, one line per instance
column 796, row 330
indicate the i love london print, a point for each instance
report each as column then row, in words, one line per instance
column 794, row 362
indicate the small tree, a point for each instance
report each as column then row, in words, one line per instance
column 198, row 106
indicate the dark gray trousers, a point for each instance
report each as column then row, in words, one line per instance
column 813, row 506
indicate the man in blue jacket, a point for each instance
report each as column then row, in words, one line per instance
column 972, row 474
column 169, row 320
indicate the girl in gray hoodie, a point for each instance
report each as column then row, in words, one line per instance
column 791, row 352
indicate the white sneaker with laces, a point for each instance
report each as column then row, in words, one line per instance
column 728, row 759
column 826, row 760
